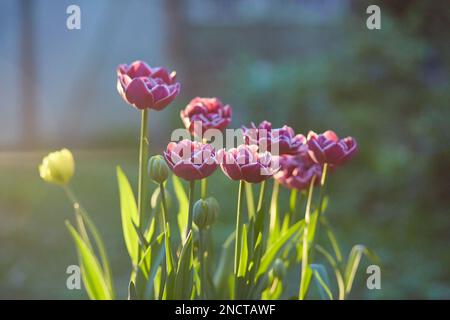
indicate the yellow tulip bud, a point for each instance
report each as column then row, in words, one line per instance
column 57, row 167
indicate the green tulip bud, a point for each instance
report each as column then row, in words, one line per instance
column 279, row 269
column 205, row 212
column 214, row 208
column 57, row 167
column 158, row 170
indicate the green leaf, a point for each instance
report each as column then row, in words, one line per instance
column 242, row 269
column 353, row 261
column 169, row 256
column 184, row 279
column 332, row 238
column 305, row 281
column 91, row 272
column 322, row 281
column 256, row 257
column 129, row 215
column 272, row 252
column 132, row 295
column 141, row 237
column 169, row 283
column 312, row 228
column 336, row 269
column 183, row 204
column 99, row 244
column 148, row 267
column 224, row 268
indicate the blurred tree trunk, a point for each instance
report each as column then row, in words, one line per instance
column 27, row 66
column 176, row 33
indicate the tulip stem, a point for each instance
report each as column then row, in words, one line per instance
column 303, row 289
column 319, row 210
column 143, row 155
column 237, row 249
column 201, row 259
column 262, row 191
column 191, row 205
column 293, row 205
column 203, row 188
column 250, row 200
column 164, row 206
column 203, row 182
column 274, row 207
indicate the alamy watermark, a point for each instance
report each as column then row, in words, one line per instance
column 73, row 281
column 373, row 22
column 73, row 21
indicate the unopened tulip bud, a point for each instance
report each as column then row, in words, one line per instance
column 57, row 167
column 205, row 212
column 213, row 207
column 158, row 170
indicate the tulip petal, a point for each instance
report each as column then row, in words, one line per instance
column 138, row 95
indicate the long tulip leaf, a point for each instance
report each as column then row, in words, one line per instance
column 129, row 215
column 91, row 272
column 323, row 283
column 272, row 252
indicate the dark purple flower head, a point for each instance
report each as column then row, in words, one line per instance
column 278, row 141
column 210, row 113
column 245, row 163
column 297, row 171
column 146, row 88
column 191, row 160
column 328, row 148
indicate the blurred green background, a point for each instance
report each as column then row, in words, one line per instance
column 310, row 64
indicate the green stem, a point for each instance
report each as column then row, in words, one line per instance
column 262, row 191
column 293, row 202
column 274, row 207
column 201, row 259
column 250, row 200
column 191, row 205
column 166, row 236
column 237, row 248
column 303, row 289
column 319, row 210
column 164, row 206
column 203, row 188
column 77, row 208
column 143, row 155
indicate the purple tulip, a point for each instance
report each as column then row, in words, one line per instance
column 245, row 163
column 191, row 160
column 328, row 148
column 146, row 88
column 297, row 171
column 270, row 139
column 209, row 112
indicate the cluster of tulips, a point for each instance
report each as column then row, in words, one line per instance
column 175, row 258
